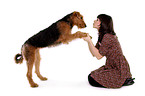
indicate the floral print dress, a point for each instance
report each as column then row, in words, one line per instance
column 116, row 70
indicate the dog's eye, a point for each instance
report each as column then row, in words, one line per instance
column 81, row 17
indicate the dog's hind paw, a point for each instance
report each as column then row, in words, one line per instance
column 44, row 78
column 34, row 85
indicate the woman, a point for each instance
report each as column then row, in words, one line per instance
column 116, row 72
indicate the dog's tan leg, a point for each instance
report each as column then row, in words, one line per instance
column 37, row 65
column 29, row 53
column 70, row 37
column 29, row 74
column 80, row 34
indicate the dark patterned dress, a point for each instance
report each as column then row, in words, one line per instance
column 116, row 70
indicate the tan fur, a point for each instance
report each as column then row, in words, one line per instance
column 65, row 29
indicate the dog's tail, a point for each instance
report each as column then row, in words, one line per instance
column 18, row 58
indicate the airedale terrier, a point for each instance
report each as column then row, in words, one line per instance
column 58, row 32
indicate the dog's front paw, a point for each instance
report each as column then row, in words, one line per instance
column 84, row 35
column 81, row 34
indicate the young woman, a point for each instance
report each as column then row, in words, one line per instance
column 116, row 72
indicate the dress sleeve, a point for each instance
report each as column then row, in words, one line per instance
column 105, row 44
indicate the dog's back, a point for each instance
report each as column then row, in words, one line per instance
column 48, row 36
column 45, row 37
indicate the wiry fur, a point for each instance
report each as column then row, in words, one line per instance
column 58, row 32
column 19, row 58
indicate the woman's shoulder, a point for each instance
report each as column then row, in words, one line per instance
column 109, row 36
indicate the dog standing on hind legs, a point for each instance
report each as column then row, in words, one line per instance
column 58, row 32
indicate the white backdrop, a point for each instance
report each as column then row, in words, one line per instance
column 67, row 66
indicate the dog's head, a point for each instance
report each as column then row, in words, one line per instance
column 77, row 19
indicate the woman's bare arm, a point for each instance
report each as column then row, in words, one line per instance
column 94, row 51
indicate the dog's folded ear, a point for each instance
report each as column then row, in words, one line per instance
column 75, row 13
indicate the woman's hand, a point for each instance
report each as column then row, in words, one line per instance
column 88, row 38
column 92, row 48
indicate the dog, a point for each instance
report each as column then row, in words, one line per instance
column 59, row 32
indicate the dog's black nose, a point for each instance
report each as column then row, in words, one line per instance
column 85, row 25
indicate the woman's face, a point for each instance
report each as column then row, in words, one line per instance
column 97, row 23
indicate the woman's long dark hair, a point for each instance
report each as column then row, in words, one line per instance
column 106, row 26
